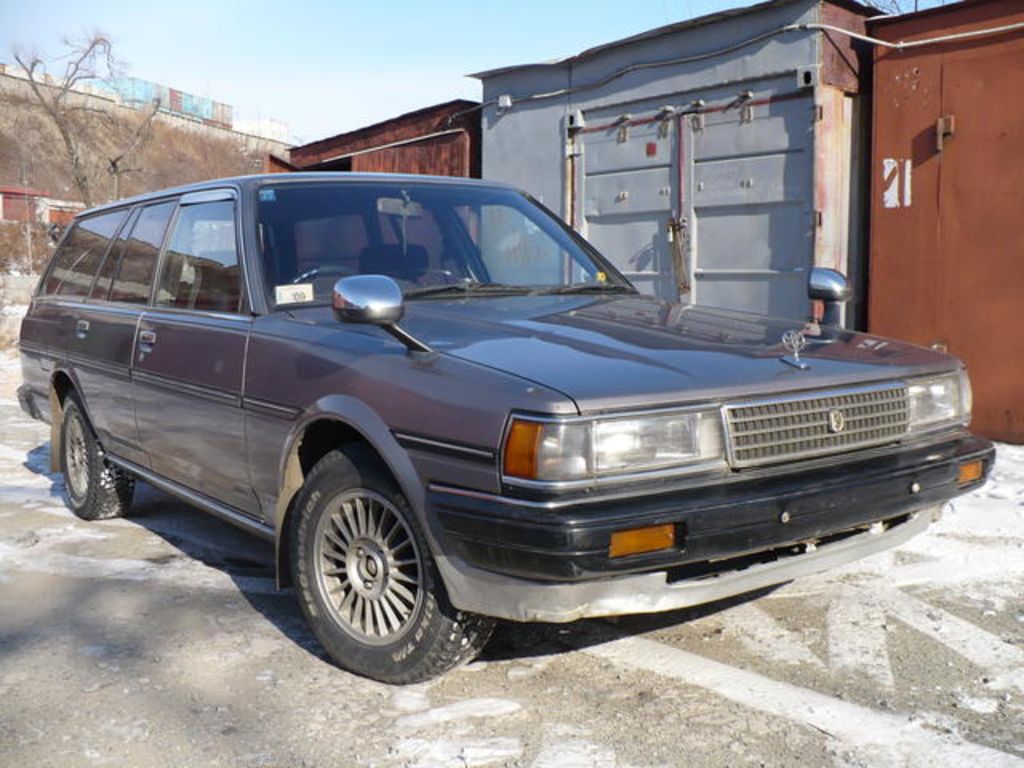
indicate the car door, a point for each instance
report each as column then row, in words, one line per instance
column 190, row 354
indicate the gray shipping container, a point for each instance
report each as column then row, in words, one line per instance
column 715, row 160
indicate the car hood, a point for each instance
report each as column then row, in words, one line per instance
column 635, row 351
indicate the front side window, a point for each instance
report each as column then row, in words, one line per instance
column 201, row 266
column 138, row 258
column 428, row 237
column 79, row 256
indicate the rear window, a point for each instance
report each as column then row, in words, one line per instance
column 80, row 254
column 138, row 257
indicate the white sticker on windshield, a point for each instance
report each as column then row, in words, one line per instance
column 293, row 294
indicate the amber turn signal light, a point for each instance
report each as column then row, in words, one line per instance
column 521, row 449
column 636, row 541
column 970, row 472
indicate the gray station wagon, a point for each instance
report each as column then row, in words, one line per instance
column 445, row 407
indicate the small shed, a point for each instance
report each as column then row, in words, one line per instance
column 443, row 140
column 947, row 181
column 714, row 160
column 20, row 203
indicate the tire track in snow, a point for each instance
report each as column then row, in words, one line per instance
column 883, row 739
column 762, row 635
column 857, row 640
column 989, row 652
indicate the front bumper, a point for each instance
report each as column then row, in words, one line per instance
column 527, row 560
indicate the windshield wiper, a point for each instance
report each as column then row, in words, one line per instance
column 465, row 288
column 590, row 288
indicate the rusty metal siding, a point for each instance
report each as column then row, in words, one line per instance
column 442, row 140
column 842, row 58
column 947, row 231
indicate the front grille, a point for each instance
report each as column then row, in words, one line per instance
column 789, row 428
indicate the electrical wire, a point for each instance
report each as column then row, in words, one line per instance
column 899, row 45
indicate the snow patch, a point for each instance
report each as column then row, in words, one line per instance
column 410, row 701
column 575, row 753
column 889, row 740
column 982, row 706
column 463, row 753
column 458, row 712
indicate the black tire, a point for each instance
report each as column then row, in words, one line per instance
column 357, row 548
column 95, row 489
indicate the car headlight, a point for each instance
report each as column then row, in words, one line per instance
column 939, row 401
column 560, row 451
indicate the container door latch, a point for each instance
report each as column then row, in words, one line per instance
column 945, row 127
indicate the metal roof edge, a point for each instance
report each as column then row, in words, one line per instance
column 454, row 103
column 668, row 29
column 938, row 10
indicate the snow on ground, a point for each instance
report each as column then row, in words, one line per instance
column 161, row 640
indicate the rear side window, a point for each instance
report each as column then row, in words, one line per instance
column 201, row 266
column 76, row 261
column 105, row 277
column 138, row 257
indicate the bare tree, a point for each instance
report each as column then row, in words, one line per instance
column 117, row 165
column 87, row 60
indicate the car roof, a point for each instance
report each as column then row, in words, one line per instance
column 245, row 183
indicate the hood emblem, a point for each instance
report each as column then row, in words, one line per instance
column 795, row 342
column 836, row 421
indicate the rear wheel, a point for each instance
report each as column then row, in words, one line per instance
column 96, row 489
column 366, row 581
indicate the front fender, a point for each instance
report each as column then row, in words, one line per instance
column 359, row 417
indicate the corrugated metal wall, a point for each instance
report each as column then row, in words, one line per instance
column 947, row 173
column 705, row 179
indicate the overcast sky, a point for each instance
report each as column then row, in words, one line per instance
column 328, row 67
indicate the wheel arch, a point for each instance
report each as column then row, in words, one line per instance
column 337, row 422
column 62, row 384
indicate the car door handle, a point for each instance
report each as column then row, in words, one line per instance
column 82, row 329
column 147, row 337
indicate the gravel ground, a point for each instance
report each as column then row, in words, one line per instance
column 160, row 641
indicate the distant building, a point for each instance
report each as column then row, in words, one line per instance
column 265, row 128
column 31, row 205
column 443, row 140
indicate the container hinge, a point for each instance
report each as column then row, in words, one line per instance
column 945, row 128
column 818, row 219
column 666, row 114
column 623, row 135
column 819, row 113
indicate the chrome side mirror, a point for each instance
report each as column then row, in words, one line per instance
column 830, row 287
column 376, row 300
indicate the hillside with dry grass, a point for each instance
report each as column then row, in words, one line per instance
column 175, row 151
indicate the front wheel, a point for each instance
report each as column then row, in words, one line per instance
column 366, row 580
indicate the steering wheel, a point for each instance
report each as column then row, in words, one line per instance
column 322, row 271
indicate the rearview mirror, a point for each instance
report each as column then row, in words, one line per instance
column 374, row 299
column 830, row 287
column 377, row 300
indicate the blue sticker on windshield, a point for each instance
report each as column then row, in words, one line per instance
column 268, row 195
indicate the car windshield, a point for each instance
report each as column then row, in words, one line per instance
column 434, row 240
